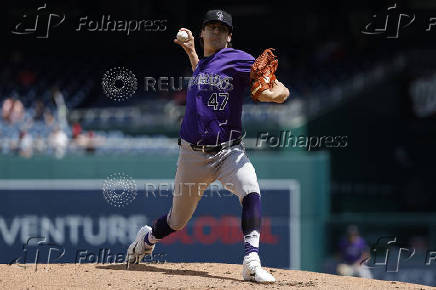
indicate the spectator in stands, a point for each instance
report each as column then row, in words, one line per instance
column 78, row 140
column 17, row 112
column 90, row 146
column 353, row 252
column 58, row 141
column 49, row 119
column 25, row 144
column 39, row 111
column 40, row 145
column 61, row 108
column 12, row 110
column 6, row 109
column 76, row 130
column 87, row 141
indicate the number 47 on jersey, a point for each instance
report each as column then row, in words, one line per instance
column 214, row 102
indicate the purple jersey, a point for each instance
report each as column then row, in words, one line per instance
column 352, row 251
column 215, row 97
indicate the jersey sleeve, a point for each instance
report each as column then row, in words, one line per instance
column 241, row 70
column 239, row 67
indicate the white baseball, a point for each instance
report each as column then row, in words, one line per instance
column 182, row 36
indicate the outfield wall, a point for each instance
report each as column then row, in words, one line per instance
column 43, row 195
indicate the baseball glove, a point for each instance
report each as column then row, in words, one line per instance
column 262, row 75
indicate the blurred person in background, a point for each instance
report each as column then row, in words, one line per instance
column 39, row 111
column 6, row 109
column 12, row 110
column 76, row 130
column 61, row 108
column 49, row 119
column 58, row 141
column 353, row 250
column 25, row 144
column 78, row 140
column 40, row 145
column 87, row 141
column 17, row 112
column 91, row 143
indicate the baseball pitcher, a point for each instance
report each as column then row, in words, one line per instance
column 211, row 133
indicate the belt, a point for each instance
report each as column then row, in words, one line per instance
column 213, row 148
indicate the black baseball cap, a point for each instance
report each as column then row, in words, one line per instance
column 218, row 15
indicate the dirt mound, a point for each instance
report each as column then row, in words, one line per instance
column 173, row 276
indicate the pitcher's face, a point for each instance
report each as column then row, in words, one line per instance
column 216, row 35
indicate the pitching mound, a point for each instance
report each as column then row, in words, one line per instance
column 173, row 276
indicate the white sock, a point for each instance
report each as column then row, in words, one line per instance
column 251, row 242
